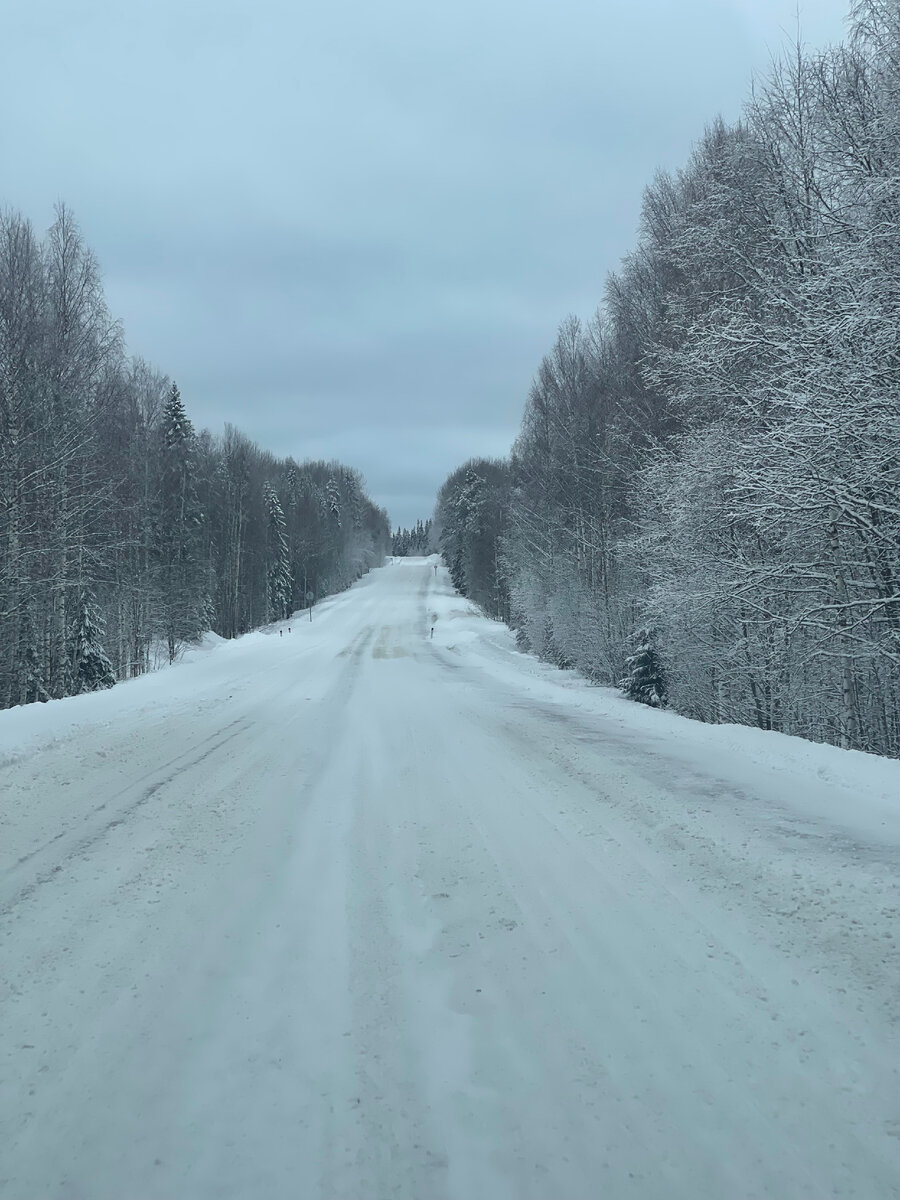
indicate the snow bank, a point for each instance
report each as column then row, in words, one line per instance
column 198, row 669
column 858, row 792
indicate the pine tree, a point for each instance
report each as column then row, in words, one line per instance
column 645, row 681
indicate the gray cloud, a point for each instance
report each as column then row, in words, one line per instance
column 352, row 229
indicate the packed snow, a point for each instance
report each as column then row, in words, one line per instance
column 375, row 905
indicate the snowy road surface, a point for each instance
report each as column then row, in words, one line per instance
column 354, row 912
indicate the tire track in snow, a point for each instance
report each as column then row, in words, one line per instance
column 75, row 845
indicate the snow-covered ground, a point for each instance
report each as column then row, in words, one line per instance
column 354, row 912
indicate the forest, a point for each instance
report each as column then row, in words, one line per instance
column 124, row 532
column 412, row 541
column 703, row 502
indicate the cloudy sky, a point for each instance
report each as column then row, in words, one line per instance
column 351, row 229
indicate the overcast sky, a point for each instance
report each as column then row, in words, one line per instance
column 351, row 228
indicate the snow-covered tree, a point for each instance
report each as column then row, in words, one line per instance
column 718, row 451
column 470, row 518
column 90, row 667
column 107, row 492
column 645, row 679
column 417, row 540
column 279, row 568
column 184, row 602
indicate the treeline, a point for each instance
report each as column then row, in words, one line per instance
column 124, row 532
column 471, row 521
column 706, row 485
column 412, row 541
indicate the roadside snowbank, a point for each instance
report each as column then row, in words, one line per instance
column 860, row 793
column 205, row 667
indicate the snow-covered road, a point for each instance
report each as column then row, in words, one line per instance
column 355, row 913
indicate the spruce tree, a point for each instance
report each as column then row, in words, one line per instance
column 184, row 602
column 91, row 670
column 333, row 495
column 645, row 681
column 279, row 567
